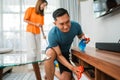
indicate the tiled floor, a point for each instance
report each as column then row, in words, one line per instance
column 26, row 73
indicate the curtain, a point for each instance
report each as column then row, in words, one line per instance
column 12, row 26
column 73, row 7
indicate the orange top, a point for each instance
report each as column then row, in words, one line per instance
column 30, row 15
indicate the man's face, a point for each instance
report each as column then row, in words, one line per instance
column 63, row 23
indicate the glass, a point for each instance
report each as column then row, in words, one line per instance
column 27, row 3
column 23, row 24
column 11, row 22
column 11, row 6
column 104, row 7
column 11, row 40
column 21, row 58
column 99, row 8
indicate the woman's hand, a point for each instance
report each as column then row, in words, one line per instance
column 38, row 25
column 44, row 37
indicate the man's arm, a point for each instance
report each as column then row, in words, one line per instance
column 82, row 36
column 61, row 58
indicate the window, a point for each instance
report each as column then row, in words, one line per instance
column 12, row 27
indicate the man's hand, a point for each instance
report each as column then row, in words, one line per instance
column 78, row 71
column 87, row 40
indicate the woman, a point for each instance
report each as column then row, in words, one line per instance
column 34, row 16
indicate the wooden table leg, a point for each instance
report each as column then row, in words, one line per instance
column 99, row 75
column 37, row 71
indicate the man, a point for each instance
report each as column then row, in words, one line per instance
column 60, row 39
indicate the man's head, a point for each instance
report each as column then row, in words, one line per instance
column 62, row 19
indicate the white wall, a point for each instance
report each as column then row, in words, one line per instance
column 103, row 29
column 54, row 2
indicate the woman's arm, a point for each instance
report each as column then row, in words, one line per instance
column 32, row 23
column 43, row 32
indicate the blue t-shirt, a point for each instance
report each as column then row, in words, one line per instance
column 64, row 39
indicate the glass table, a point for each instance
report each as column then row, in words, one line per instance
column 22, row 58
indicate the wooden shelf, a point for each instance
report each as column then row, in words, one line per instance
column 88, row 75
column 106, row 63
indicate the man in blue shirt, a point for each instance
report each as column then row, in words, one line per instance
column 60, row 39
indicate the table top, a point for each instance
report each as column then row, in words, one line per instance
column 107, row 56
column 21, row 58
column 106, row 61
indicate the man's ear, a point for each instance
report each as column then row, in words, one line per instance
column 54, row 23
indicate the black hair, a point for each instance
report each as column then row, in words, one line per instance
column 59, row 12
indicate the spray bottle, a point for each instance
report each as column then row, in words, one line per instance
column 82, row 44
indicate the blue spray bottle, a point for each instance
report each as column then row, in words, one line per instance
column 82, row 45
